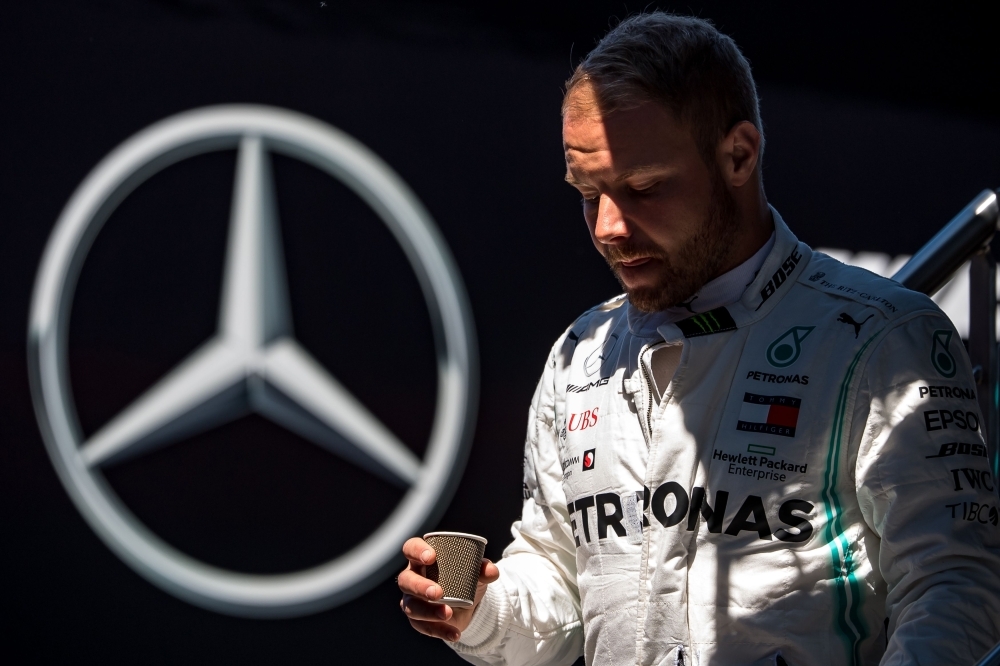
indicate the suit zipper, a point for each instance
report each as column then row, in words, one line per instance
column 648, row 385
column 649, row 395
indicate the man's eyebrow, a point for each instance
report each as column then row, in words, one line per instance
column 639, row 170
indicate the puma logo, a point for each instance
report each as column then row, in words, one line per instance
column 847, row 319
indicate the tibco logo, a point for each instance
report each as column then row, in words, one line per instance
column 583, row 420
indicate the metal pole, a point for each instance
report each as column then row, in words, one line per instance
column 991, row 658
column 934, row 264
column 983, row 344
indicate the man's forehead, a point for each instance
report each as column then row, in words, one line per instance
column 644, row 128
column 623, row 144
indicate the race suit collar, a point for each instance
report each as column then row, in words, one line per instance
column 784, row 258
column 787, row 259
column 720, row 292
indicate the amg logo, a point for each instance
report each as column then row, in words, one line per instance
column 573, row 388
column 779, row 277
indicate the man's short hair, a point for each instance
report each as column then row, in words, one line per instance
column 681, row 62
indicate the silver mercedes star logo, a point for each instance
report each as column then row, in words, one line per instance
column 253, row 363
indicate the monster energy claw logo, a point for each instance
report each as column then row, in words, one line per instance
column 786, row 349
column 941, row 356
column 706, row 323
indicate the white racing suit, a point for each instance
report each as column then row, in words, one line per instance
column 811, row 486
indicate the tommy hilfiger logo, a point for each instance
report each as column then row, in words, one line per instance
column 769, row 414
column 588, row 460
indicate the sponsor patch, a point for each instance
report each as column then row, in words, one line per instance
column 769, row 414
column 783, row 273
column 573, row 388
column 786, row 347
column 946, row 392
column 589, row 459
column 974, row 512
column 974, row 479
column 943, row 419
column 633, row 523
column 941, row 356
column 872, row 298
column 672, row 506
column 960, row 449
column 845, row 318
column 771, row 378
column 582, row 420
column 707, row 323
column 597, row 358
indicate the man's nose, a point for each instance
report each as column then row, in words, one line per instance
column 611, row 227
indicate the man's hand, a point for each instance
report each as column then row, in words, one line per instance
column 433, row 619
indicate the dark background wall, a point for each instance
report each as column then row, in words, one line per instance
column 880, row 123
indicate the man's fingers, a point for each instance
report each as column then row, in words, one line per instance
column 489, row 572
column 417, row 551
column 410, row 582
column 418, row 609
column 436, row 630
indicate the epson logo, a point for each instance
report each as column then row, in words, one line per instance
column 942, row 419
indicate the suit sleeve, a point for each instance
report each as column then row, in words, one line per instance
column 531, row 615
column 926, row 486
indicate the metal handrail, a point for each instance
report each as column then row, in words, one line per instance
column 967, row 238
column 991, row 658
column 966, row 235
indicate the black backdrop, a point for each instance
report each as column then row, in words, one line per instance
column 880, row 126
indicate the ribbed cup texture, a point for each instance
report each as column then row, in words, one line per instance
column 456, row 570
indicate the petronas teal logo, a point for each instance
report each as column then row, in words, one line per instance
column 786, row 349
column 941, row 356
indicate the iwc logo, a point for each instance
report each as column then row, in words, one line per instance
column 253, row 362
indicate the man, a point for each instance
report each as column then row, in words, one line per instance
column 757, row 455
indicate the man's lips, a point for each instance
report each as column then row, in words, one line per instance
column 633, row 263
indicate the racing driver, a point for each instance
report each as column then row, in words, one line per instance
column 756, row 454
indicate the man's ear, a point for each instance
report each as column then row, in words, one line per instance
column 738, row 153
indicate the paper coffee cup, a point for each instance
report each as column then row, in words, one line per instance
column 459, row 561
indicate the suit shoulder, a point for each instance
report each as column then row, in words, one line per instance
column 596, row 313
column 843, row 282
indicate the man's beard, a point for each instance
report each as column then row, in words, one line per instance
column 694, row 264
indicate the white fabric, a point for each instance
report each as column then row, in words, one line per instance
column 813, row 483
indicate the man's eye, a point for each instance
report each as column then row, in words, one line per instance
column 644, row 188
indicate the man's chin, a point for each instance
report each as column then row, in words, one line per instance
column 649, row 299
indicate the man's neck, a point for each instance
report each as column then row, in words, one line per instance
column 756, row 227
